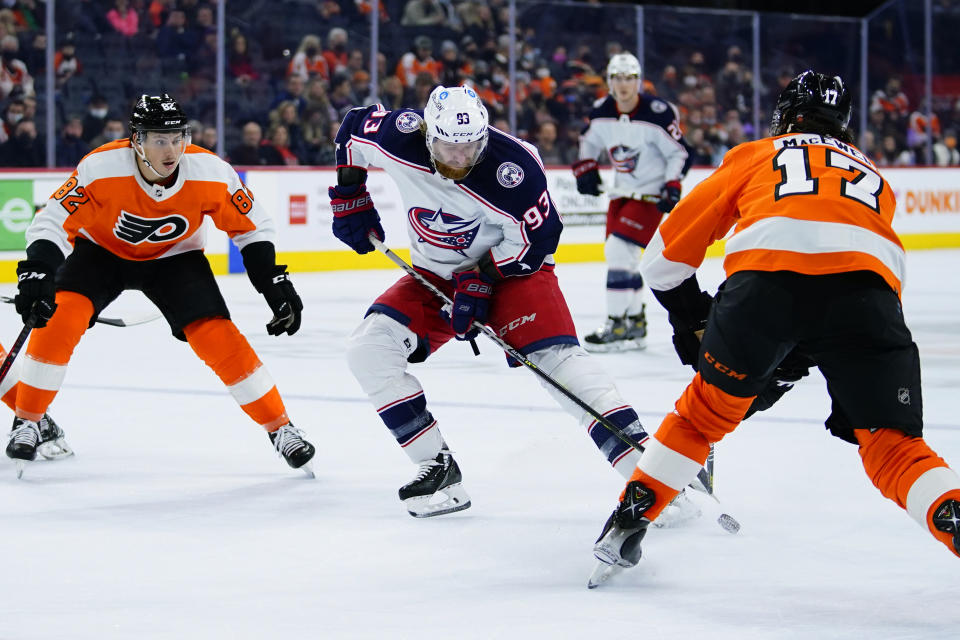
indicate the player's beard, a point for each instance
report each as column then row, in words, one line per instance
column 452, row 173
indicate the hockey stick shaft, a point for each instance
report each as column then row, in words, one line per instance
column 16, row 347
column 702, row 478
column 113, row 322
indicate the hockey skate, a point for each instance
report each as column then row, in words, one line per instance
column 680, row 511
column 52, row 445
column 22, row 447
column 620, row 333
column 946, row 518
column 618, row 546
column 289, row 443
column 436, row 489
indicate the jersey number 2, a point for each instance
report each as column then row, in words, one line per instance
column 796, row 179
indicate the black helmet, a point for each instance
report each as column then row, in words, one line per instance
column 157, row 113
column 813, row 103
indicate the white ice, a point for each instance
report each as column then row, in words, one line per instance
column 177, row 520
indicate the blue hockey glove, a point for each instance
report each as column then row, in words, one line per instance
column 354, row 217
column 471, row 301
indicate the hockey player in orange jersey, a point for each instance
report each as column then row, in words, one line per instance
column 129, row 217
column 814, row 272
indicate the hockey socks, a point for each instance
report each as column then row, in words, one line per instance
column 220, row 344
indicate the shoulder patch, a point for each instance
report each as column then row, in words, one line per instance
column 658, row 106
column 408, row 122
column 509, row 175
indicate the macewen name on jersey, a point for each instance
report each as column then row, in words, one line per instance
column 502, row 207
column 646, row 146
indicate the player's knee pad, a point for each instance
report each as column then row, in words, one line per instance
column 622, row 255
column 580, row 373
column 377, row 351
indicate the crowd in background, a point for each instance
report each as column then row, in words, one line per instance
column 295, row 67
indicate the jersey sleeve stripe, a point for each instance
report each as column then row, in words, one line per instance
column 359, row 140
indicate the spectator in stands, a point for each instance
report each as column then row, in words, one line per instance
column 28, row 15
column 355, row 62
column 945, row 152
column 204, row 18
column 477, row 20
column 317, row 99
column 114, row 129
column 280, row 140
column 917, row 132
column 13, row 72
column 22, row 149
column 360, row 86
column 86, row 18
column 34, row 55
column 96, row 117
column 341, row 95
column 891, row 101
column 547, row 144
column 336, row 53
column 893, row 154
column 12, row 114
column 208, row 139
column 65, row 61
column 176, row 40
column 123, row 19
column 251, row 152
column 293, row 90
column 159, row 11
column 364, row 7
column 391, row 93
column 309, row 61
column 8, row 23
column 424, row 13
column 286, row 115
column 453, row 68
column 421, row 90
column 240, row 64
column 419, row 60
column 316, row 130
column 70, row 146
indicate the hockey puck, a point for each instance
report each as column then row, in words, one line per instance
column 729, row 524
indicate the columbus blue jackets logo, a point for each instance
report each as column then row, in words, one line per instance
column 509, row 175
column 408, row 122
column 135, row 229
column 442, row 229
column 624, row 159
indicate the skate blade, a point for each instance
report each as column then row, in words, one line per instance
column 452, row 499
column 615, row 347
column 308, row 471
column 601, row 573
column 20, row 466
column 55, row 449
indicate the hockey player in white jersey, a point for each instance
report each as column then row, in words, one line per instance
column 482, row 228
column 642, row 136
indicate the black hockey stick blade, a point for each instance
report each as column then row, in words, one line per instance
column 113, row 322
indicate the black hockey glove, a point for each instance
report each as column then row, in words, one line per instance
column 284, row 302
column 36, row 292
column 790, row 370
column 587, row 173
column 688, row 308
column 669, row 196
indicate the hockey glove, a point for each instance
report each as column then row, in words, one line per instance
column 669, row 196
column 354, row 217
column 788, row 373
column 284, row 302
column 36, row 292
column 688, row 308
column 587, row 173
column 471, row 301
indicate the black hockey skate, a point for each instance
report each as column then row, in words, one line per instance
column 618, row 546
column 946, row 518
column 436, row 489
column 22, row 447
column 620, row 333
column 289, row 443
column 52, row 445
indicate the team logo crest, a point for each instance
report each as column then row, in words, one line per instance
column 408, row 122
column 658, row 106
column 443, row 229
column 134, row 229
column 624, row 159
column 509, row 175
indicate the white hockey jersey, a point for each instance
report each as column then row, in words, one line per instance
column 502, row 207
column 646, row 146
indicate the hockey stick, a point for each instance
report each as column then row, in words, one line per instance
column 113, row 322
column 614, row 194
column 17, row 346
column 703, row 479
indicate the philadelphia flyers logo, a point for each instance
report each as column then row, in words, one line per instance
column 134, row 229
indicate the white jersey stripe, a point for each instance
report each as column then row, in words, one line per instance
column 812, row 236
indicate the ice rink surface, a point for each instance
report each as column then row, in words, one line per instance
column 177, row 520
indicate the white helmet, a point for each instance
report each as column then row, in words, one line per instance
column 623, row 64
column 456, row 129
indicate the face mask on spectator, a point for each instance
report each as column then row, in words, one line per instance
column 99, row 113
column 690, row 81
column 310, row 51
column 14, row 118
column 113, row 135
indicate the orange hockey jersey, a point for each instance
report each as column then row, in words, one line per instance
column 799, row 202
column 108, row 202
